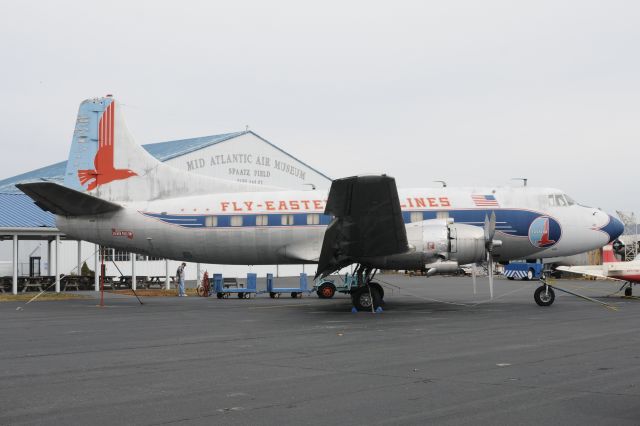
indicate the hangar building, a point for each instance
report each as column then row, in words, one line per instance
column 240, row 156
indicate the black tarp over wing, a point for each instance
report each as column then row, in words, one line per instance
column 368, row 222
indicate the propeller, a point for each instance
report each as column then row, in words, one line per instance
column 474, row 273
column 489, row 245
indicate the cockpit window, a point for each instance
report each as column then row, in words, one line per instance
column 570, row 201
column 560, row 200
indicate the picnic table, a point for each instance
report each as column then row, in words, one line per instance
column 35, row 283
column 6, row 284
column 76, row 282
column 125, row 281
column 158, row 280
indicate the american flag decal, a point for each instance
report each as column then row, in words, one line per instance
column 485, row 201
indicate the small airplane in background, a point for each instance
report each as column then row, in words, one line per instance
column 117, row 195
column 611, row 268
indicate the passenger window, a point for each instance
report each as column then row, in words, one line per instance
column 236, row 220
column 262, row 220
column 286, row 219
column 211, row 221
column 416, row 217
column 313, row 219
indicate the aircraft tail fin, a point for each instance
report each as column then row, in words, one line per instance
column 106, row 161
column 65, row 201
column 608, row 256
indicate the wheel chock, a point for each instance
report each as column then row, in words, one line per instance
column 379, row 310
column 354, row 310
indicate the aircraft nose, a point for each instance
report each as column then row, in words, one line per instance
column 614, row 228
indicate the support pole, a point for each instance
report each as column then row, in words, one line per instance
column 14, row 287
column 167, row 278
column 79, row 258
column 134, row 284
column 57, row 264
column 49, row 258
column 96, row 266
column 198, row 269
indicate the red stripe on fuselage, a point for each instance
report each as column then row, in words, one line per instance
column 633, row 278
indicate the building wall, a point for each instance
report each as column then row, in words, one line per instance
column 249, row 159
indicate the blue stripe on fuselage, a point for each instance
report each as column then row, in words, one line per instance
column 510, row 221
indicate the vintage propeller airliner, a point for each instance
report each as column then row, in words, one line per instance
column 115, row 194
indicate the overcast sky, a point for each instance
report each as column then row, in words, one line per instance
column 471, row 92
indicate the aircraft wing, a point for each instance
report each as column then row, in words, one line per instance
column 65, row 201
column 583, row 271
column 368, row 222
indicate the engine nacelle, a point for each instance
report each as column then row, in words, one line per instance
column 438, row 246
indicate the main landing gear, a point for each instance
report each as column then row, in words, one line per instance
column 367, row 295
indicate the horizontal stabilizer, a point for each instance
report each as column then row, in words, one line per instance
column 368, row 222
column 65, row 201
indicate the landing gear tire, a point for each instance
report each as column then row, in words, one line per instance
column 363, row 298
column 326, row 291
column 272, row 295
column 628, row 292
column 219, row 295
column 294, row 295
column 379, row 288
column 544, row 296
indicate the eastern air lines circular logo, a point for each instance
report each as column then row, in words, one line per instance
column 544, row 232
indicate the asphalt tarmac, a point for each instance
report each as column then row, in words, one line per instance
column 438, row 354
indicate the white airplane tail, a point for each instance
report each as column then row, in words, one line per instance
column 106, row 162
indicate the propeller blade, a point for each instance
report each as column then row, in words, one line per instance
column 492, row 225
column 473, row 275
column 487, row 237
column 489, row 228
column 490, row 267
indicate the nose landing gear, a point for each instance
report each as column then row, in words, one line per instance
column 544, row 295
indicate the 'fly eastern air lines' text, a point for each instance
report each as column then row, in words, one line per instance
column 319, row 205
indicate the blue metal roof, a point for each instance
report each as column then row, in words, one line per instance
column 164, row 151
column 19, row 211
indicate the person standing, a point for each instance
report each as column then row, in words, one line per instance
column 180, row 277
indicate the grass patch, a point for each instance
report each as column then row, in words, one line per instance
column 25, row 297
